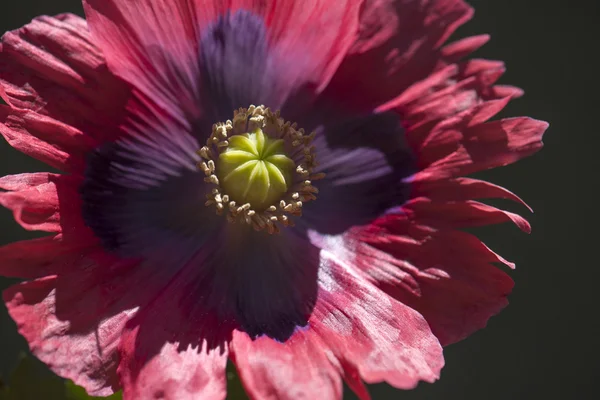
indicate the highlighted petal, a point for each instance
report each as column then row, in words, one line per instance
column 370, row 333
column 173, row 348
column 300, row 368
column 88, row 358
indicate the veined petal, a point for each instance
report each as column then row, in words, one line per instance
column 155, row 45
column 152, row 44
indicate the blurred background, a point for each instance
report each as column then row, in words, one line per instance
column 546, row 343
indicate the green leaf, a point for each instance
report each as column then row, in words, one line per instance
column 74, row 392
column 235, row 390
column 31, row 380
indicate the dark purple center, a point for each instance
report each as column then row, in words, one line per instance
column 144, row 198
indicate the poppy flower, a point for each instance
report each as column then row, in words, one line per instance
column 276, row 183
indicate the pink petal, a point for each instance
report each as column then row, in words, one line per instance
column 370, row 333
column 321, row 30
column 88, row 358
column 174, row 349
column 174, row 371
column 407, row 34
column 356, row 331
column 52, row 66
column 151, row 44
column 448, row 276
column 299, row 368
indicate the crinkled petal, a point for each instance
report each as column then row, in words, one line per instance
column 460, row 150
column 45, row 202
column 441, row 101
column 89, row 358
column 356, row 331
column 299, row 368
column 152, row 44
column 370, row 333
column 51, row 67
column 448, row 276
column 34, row 207
column 24, row 131
column 398, row 44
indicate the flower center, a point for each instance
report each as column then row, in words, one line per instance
column 255, row 169
column 261, row 168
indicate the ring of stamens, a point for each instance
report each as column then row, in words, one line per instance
column 302, row 152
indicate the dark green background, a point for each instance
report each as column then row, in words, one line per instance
column 545, row 344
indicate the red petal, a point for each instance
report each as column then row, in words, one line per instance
column 153, row 44
column 35, row 207
column 455, row 51
column 461, row 189
column 14, row 127
column 450, row 96
column 460, row 214
column 51, row 66
column 448, row 276
column 369, row 332
column 46, row 202
column 39, row 257
column 299, row 368
column 88, row 358
column 407, row 34
column 483, row 146
column 321, row 30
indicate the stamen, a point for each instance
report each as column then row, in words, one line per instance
column 264, row 163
